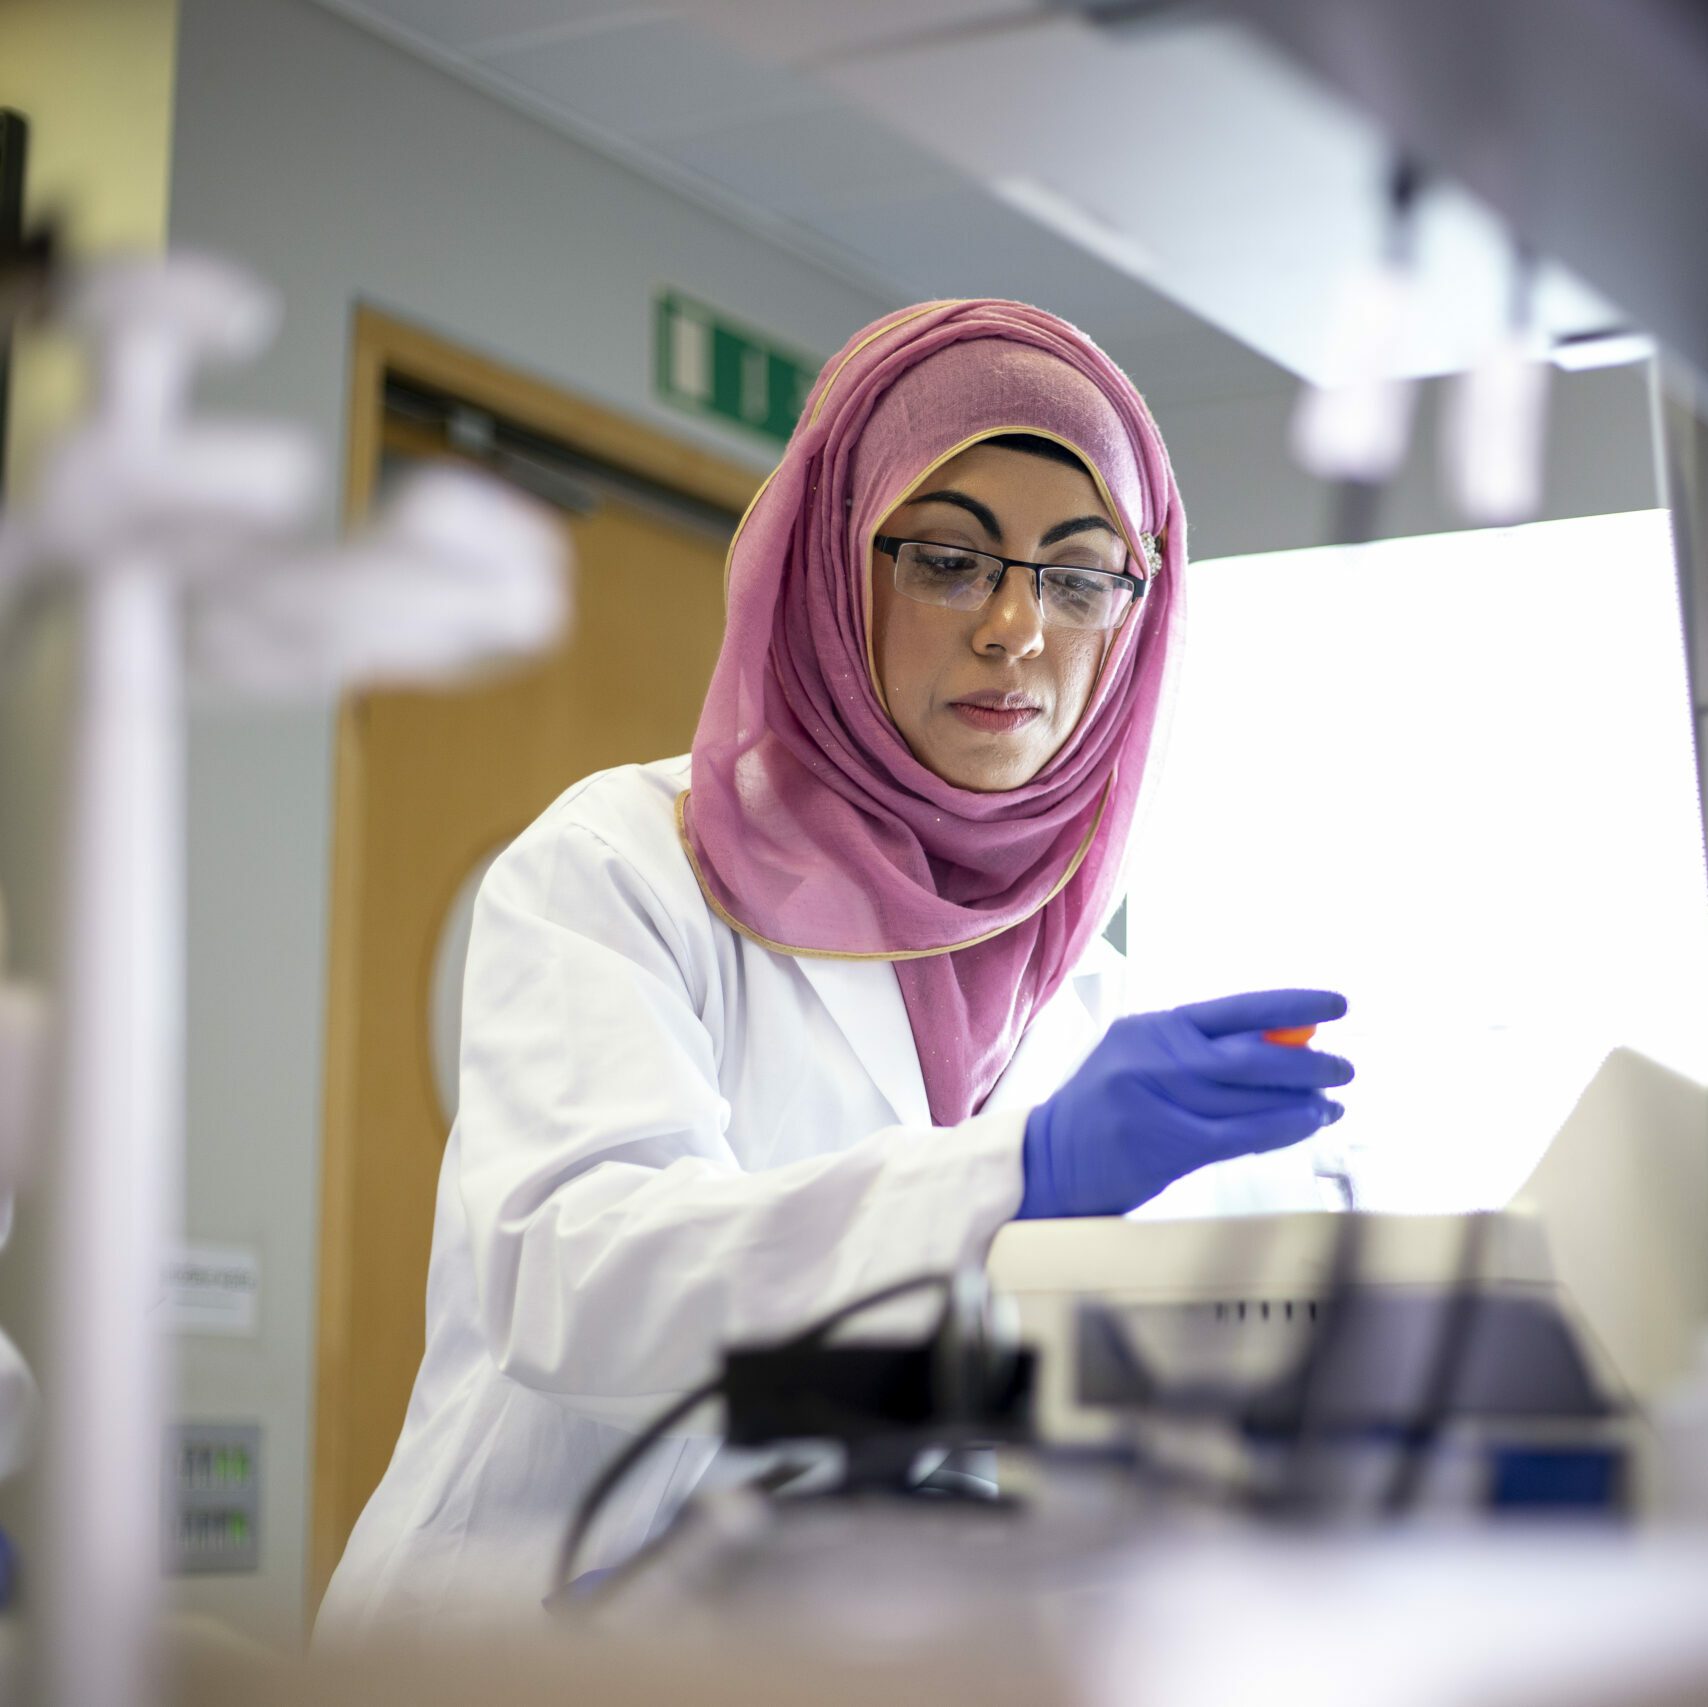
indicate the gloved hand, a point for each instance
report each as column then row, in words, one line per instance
column 1166, row 1093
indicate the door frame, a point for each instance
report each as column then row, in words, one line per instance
column 383, row 346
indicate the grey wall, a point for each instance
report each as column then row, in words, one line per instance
column 342, row 169
column 1243, row 493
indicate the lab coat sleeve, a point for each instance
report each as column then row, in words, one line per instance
column 617, row 1242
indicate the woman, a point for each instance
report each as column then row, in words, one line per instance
column 750, row 1035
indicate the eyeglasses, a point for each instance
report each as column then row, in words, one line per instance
column 1069, row 597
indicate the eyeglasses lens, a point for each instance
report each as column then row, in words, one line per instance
column 965, row 580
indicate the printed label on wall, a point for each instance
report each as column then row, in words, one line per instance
column 211, row 1289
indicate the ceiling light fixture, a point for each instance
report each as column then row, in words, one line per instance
column 1608, row 346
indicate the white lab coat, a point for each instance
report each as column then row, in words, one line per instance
column 669, row 1139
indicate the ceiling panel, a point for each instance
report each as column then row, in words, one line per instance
column 804, row 163
column 965, row 242
column 800, row 32
column 460, row 23
column 649, row 79
column 933, row 189
column 962, row 241
column 1249, row 191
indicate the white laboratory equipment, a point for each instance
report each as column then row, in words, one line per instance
column 1522, row 1353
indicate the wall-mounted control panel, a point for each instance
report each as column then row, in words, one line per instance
column 212, row 1498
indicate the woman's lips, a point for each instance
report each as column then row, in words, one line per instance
column 995, row 719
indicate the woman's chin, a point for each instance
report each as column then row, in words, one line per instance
column 986, row 772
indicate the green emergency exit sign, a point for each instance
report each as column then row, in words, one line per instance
column 708, row 364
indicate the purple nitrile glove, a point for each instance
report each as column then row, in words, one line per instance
column 1166, row 1093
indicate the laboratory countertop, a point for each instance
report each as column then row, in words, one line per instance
column 1571, row 1618
column 1562, row 1617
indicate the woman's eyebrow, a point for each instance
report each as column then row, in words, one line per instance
column 1080, row 524
column 982, row 513
column 986, row 517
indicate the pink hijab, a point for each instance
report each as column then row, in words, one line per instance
column 810, row 825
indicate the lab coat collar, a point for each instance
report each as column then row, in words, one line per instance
column 865, row 1000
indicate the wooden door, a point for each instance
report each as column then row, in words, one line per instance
column 429, row 785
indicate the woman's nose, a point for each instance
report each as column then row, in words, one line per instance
column 1013, row 621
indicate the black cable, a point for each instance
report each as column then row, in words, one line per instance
column 1295, row 1492
column 884, row 1295
column 614, row 1472
column 1451, row 1350
column 619, row 1467
column 1447, row 1369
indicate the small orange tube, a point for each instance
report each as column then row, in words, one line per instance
column 1294, row 1036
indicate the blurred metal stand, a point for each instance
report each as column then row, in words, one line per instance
column 113, row 514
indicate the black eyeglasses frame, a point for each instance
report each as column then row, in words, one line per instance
column 891, row 544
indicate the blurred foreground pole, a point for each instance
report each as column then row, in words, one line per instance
column 119, row 1148
column 126, row 500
